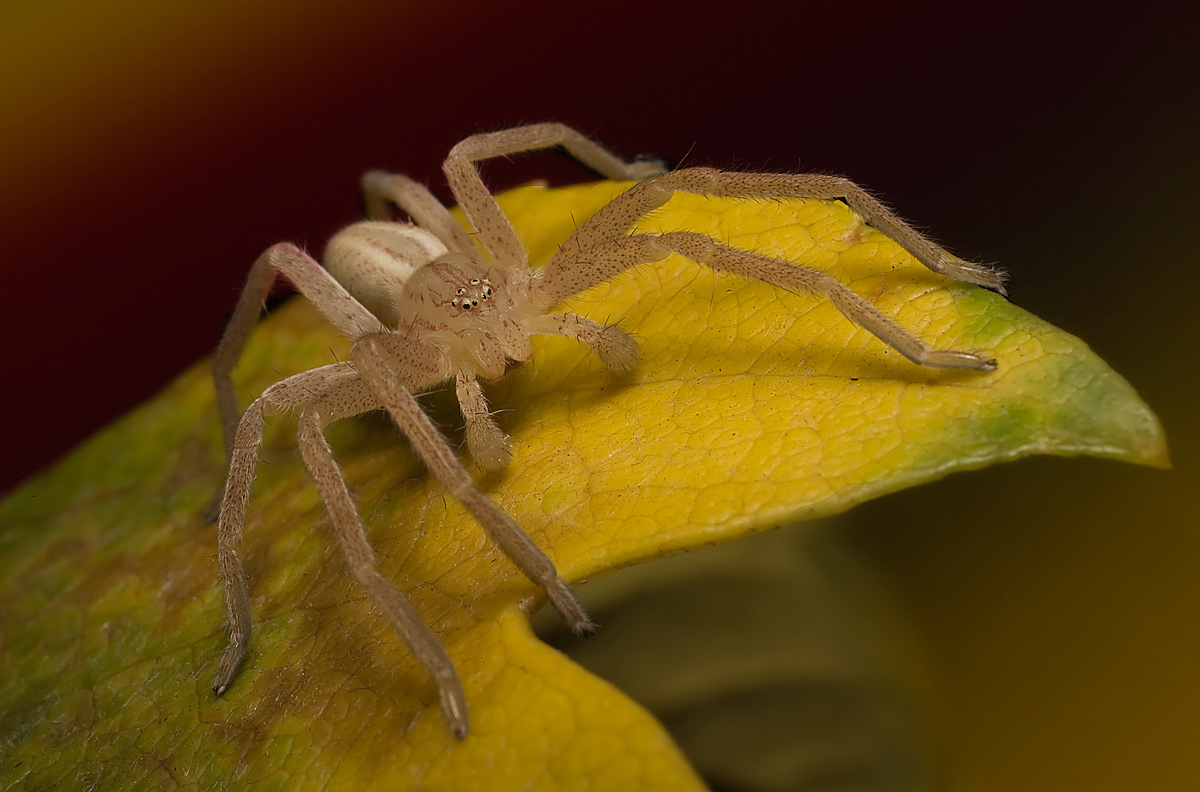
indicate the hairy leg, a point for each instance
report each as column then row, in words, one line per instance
column 495, row 231
column 318, row 286
column 232, row 520
column 421, row 366
column 290, row 393
column 437, row 455
column 607, row 261
column 616, row 348
column 487, row 442
column 347, row 524
column 422, row 207
column 561, row 277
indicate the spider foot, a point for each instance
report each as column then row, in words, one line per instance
column 979, row 274
column 564, row 600
column 454, row 706
column 489, row 446
column 227, row 668
column 617, row 349
column 953, row 359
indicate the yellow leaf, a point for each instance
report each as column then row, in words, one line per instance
column 751, row 408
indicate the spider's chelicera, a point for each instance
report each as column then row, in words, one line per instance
column 423, row 304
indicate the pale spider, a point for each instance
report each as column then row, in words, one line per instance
column 422, row 304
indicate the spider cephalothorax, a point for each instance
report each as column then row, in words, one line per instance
column 422, row 303
column 466, row 306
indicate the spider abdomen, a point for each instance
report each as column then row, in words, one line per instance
column 373, row 260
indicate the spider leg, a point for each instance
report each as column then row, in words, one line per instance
column 310, row 278
column 616, row 348
column 441, row 460
column 607, row 261
column 418, row 203
column 318, row 458
column 487, row 442
column 289, row 393
column 232, row 519
column 495, row 231
column 619, row 216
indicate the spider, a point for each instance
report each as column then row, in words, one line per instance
column 423, row 303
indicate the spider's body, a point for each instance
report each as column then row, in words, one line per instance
column 468, row 310
column 466, row 317
column 422, row 304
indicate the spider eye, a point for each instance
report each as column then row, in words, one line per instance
column 462, row 291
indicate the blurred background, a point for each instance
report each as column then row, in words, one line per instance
column 150, row 151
